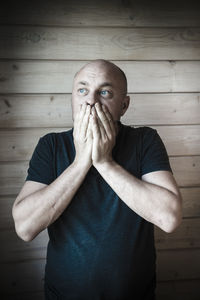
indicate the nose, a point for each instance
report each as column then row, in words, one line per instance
column 92, row 99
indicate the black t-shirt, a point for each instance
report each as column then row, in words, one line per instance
column 100, row 249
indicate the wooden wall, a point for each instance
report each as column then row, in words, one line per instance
column 158, row 46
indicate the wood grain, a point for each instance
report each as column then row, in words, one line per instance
column 186, row 170
column 23, row 42
column 27, row 276
column 15, row 250
column 22, row 142
column 54, row 110
column 178, row 264
column 185, row 236
column 57, row 76
column 105, row 13
column 191, row 202
column 12, row 177
column 182, row 289
column 180, row 140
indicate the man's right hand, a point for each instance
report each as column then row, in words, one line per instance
column 83, row 136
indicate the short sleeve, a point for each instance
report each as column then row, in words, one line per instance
column 154, row 154
column 41, row 163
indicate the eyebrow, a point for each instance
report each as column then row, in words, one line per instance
column 83, row 82
column 103, row 84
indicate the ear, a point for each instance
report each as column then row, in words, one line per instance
column 125, row 105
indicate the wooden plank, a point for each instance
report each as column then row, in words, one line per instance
column 54, row 110
column 19, row 144
column 162, row 109
column 23, row 277
column 191, row 207
column 33, row 76
column 185, row 236
column 12, row 177
column 36, row 110
column 182, row 289
column 12, row 174
column 181, row 81
column 22, row 143
column 180, row 140
column 186, row 170
column 57, row 76
column 178, row 264
column 24, row 42
column 191, row 202
column 28, row 275
column 104, row 13
column 6, row 219
column 15, row 250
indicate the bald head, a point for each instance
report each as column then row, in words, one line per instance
column 109, row 67
column 104, row 82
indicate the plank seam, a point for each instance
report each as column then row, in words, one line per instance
column 82, row 26
column 88, row 60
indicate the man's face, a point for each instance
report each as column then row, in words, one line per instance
column 100, row 83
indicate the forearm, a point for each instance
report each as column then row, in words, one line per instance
column 152, row 202
column 37, row 211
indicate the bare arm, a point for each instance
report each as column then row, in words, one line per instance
column 156, row 197
column 38, row 205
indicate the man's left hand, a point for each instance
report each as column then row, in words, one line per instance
column 104, row 135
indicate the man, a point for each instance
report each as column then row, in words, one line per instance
column 99, row 188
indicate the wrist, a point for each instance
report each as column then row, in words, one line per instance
column 103, row 166
column 82, row 165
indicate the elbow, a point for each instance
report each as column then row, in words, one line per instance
column 171, row 224
column 21, row 228
column 23, row 232
column 172, row 220
column 24, row 236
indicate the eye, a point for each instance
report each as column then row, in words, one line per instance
column 105, row 93
column 82, row 91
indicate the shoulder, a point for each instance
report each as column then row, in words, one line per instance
column 141, row 132
column 143, row 138
column 56, row 137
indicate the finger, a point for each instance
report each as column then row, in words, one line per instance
column 100, row 125
column 104, row 119
column 76, row 119
column 95, row 125
column 85, row 121
column 79, row 117
column 89, row 130
column 82, row 112
column 110, row 119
